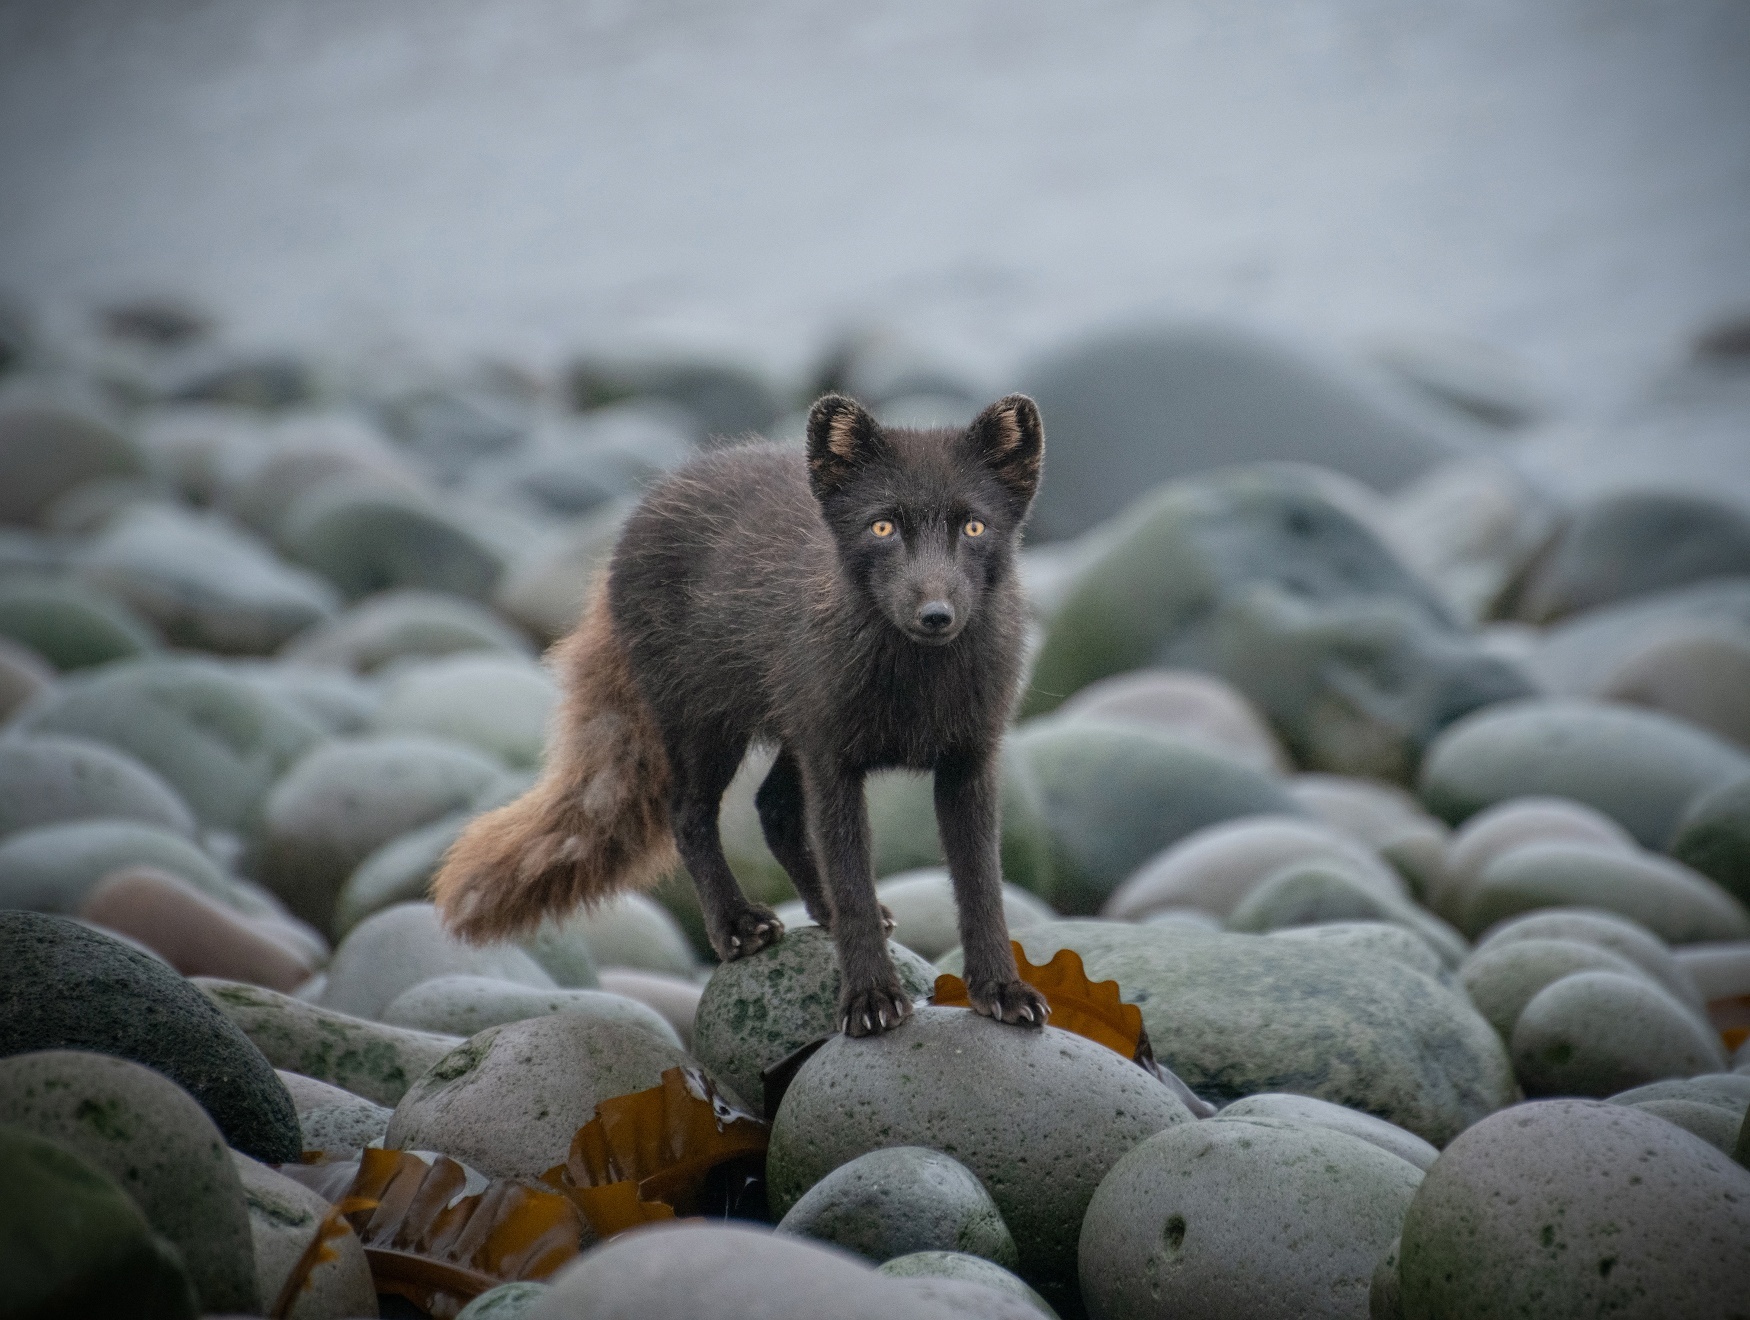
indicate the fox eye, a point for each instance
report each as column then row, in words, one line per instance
column 881, row 527
column 973, row 527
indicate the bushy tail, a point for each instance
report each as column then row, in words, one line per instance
column 594, row 824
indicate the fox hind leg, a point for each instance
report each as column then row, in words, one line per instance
column 702, row 769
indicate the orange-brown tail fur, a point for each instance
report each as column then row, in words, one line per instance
column 595, row 823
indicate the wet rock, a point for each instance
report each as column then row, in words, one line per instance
column 1215, row 867
column 1305, row 1111
column 1503, row 979
column 466, row 1005
column 1714, row 838
column 758, row 1010
column 900, row 1199
column 203, row 583
column 946, row 1079
column 957, row 1265
column 69, row 987
column 1507, row 825
column 1676, row 904
column 397, row 625
column 73, row 1243
column 24, row 676
column 48, row 446
column 1198, row 708
column 332, row 1120
column 369, row 1059
column 1234, row 1015
column 1533, row 1211
column 1598, row 1033
column 1113, row 798
column 350, row 796
column 1605, row 930
column 69, row 624
column 398, row 871
column 1640, row 768
column 676, row 1000
column 1309, row 1210
column 402, row 946
column 366, row 538
column 1699, row 678
column 925, row 914
column 500, row 705
column 508, row 1100
column 54, row 868
column 1265, row 577
column 50, row 779
column 1631, row 544
column 216, row 739
column 284, row 1218
column 149, row 1135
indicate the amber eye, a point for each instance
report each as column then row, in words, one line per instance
column 974, row 527
column 881, row 527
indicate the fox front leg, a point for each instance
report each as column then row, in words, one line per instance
column 968, row 815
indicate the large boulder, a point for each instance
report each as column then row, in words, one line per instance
column 1265, row 577
column 47, row 780
column 1570, row 1208
column 68, row 987
column 69, row 624
column 1038, row 1116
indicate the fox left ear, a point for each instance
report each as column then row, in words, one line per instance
column 842, row 440
column 1009, row 439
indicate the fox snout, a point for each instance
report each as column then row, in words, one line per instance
column 932, row 603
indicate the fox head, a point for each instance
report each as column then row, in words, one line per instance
column 926, row 520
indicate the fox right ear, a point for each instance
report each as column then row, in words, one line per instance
column 842, row 439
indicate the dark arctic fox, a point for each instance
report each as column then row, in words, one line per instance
column 857, row 608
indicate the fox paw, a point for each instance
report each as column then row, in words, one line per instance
column 870, row 1012
column 753, row 929
column 1009, row 1001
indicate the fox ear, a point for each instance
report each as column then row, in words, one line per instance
column 1009, row 439
column 842, row 440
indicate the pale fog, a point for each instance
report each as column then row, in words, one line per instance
column 1563, row 184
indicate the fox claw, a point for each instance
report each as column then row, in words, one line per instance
column 754, row 929
column 871, row 1012
column 1011, row 1001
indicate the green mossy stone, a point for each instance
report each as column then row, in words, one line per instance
column 69, row 987
column 214, row 737
column 1598, row 1033
column 499, row 704
column 1309, row 1211
column 508, row 1100
column 366, row 538
column 1640, row 768
column 1112, row 798
column 1501, row 980
column 49, row 779
column 1577, row 1208
column 69, row 624
column 398, row 625
column 1714, row 838
column 759, row 1010
column 157, row 1143
column 334, row 1121
column 1234, row 1015
column 369, row 1059
column 53, row 867
column 900, row 1199
column 969, row 1269
column 73, row 1244
column 284, row 1218
column 467, row 1005
column 1037, row 1116
column 508, row 1301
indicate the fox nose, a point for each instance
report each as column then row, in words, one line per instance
column 935, row 616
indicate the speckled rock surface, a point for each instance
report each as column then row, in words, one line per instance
column 1376, row 939
column 756, row 1011
column 68, row 987
column 465, row 1005
column 1597, row 1033
column 1038, row 1117
column 1606, row 930
column 1309, row 1211
column 284, row 1217
column 507, row 1101
column 971, row 1269
column 1308, row 1112
column 332, row 1120
column 368, row 1059
column 900, row 1199
column 1571, row 1208
column 1503, row 979
column 158, row 1145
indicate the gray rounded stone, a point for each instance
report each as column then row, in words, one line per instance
column 759, row 1010
column 1375, row 939
column 499, row 704
column 49, row 444
column 397, row 625
column 1640, row 768
column 561, row 945
column 1598, row 1033
column 970, row 1269
column 1234, row 1015
column 1308, row 1112
column 466, row 1005
column 900, row 1199
column 398, row 871
column 158, row 1144
column 334, row 1121
column 1037, row 1116
column 1198, row 708
column 1503, row 979
column 369, row 1059
column 49, row 779
column 1608, row 931
column 1714, row 838
column 284, row 1218
column 366, row 536
column 1307, row 1209
column 1571, row 1208
column 508, row 1301
column 1500, row 829
column 69, row 624
column 1676, row 904
column 402, row 946
column 69, row 987
column 631, row 930
column 508, row 1100
column 24, row 677
column 53, row 868
column 72, row 1243
column 1309, row 893
column 926, row 917
column 1714, row 1125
